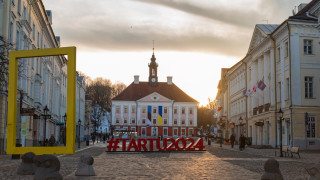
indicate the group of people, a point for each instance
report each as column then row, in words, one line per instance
column 103, row 136
column 242, row 141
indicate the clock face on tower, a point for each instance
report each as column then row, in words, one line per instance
column 153, row 79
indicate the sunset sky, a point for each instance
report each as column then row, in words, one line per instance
column 194, row 39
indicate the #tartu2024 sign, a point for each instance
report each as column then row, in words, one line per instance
column 168, row 144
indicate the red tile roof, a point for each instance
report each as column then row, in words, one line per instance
column 137, row 91
column 302, row 14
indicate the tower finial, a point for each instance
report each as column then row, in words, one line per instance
column 153, row 47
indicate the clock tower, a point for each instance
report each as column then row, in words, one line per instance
column 153, row 72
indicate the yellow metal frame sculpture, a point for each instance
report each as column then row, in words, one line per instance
column 71, row 101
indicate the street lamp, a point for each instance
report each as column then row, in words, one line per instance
column 240, row 123
column 281, row 118
column 45, row 115
column 65, row 128
column 79, row 124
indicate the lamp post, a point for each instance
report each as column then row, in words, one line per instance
column 45, row 115
column 240, row 123
column 65, row 128
column 281, row 118
column 79, row 124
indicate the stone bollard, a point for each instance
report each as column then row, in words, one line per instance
column 272, row 170
column 314, row 171
column 48, row 167
column 85, row 166
column 27, row 167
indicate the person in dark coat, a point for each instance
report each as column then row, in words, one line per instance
column 232, row 139
column 242, row 141
column 93, row 138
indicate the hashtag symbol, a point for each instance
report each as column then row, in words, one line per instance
column 113, row 144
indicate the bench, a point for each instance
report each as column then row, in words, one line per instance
column 294, row 150
column 285, row 150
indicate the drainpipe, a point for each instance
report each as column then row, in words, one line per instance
column 290, row 107
column 275, row 89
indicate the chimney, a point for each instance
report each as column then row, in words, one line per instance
column 49, row 13
column 169, row 80
column 58, row 40
column 136, row 79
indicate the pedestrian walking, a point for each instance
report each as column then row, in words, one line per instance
column 93, row 138
column 242, row 140
column 52, row 140
column 104, row 138
column 232, row 139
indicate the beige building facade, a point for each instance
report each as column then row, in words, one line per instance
column 286, row 59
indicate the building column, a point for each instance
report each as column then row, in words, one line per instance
column 272, row 82
column 254, row 74
column 295, row 68
column 282, row 79
column 266, row 72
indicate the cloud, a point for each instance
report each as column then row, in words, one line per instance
column 175, row 25
column 245, row 17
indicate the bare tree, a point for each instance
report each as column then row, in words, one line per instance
column 118, row 87
column 100, row 91
column 5, row 46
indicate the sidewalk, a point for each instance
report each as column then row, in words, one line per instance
column 310, row 156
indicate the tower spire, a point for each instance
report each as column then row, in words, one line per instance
column 153, row 47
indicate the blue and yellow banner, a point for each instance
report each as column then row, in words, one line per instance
column 160, row 116
column 149, row 113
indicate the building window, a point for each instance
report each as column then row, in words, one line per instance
column 311, row 127
column 144, row 110
column 183, row 132
column 307, row 47
column 143, row 121
column 34, row 32
column 133, row 129
column 38, row 40
column 165, row 121
column 165, row 132
column 11, row 33
column 190, row 122
column 308, row 85
column 117, row 121
column 143, row 131
column 165, row 110
column 117, row 109
column 175, row 132
column 190, row 111
column 154, row 110
column 154, row 121
column 24, row 13
column 175, row 121
column 125, row 121
column 175, row 111
column 133, row 121
column 183, row 122
column 288, row 88
column 19, row 7
column 125, row 109
column 286, row 48
column 278, row 54
column 17, row 40
column 183, row 110
column 133, row 109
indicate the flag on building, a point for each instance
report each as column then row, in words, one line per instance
column 219, row 108
column 261, row 85
column 245, row 93
column 254, row 88
column 148, row 123
column 160, row 116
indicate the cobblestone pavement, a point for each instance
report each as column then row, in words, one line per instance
column 215, row 163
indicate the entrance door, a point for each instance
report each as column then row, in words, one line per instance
column 165, row 132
